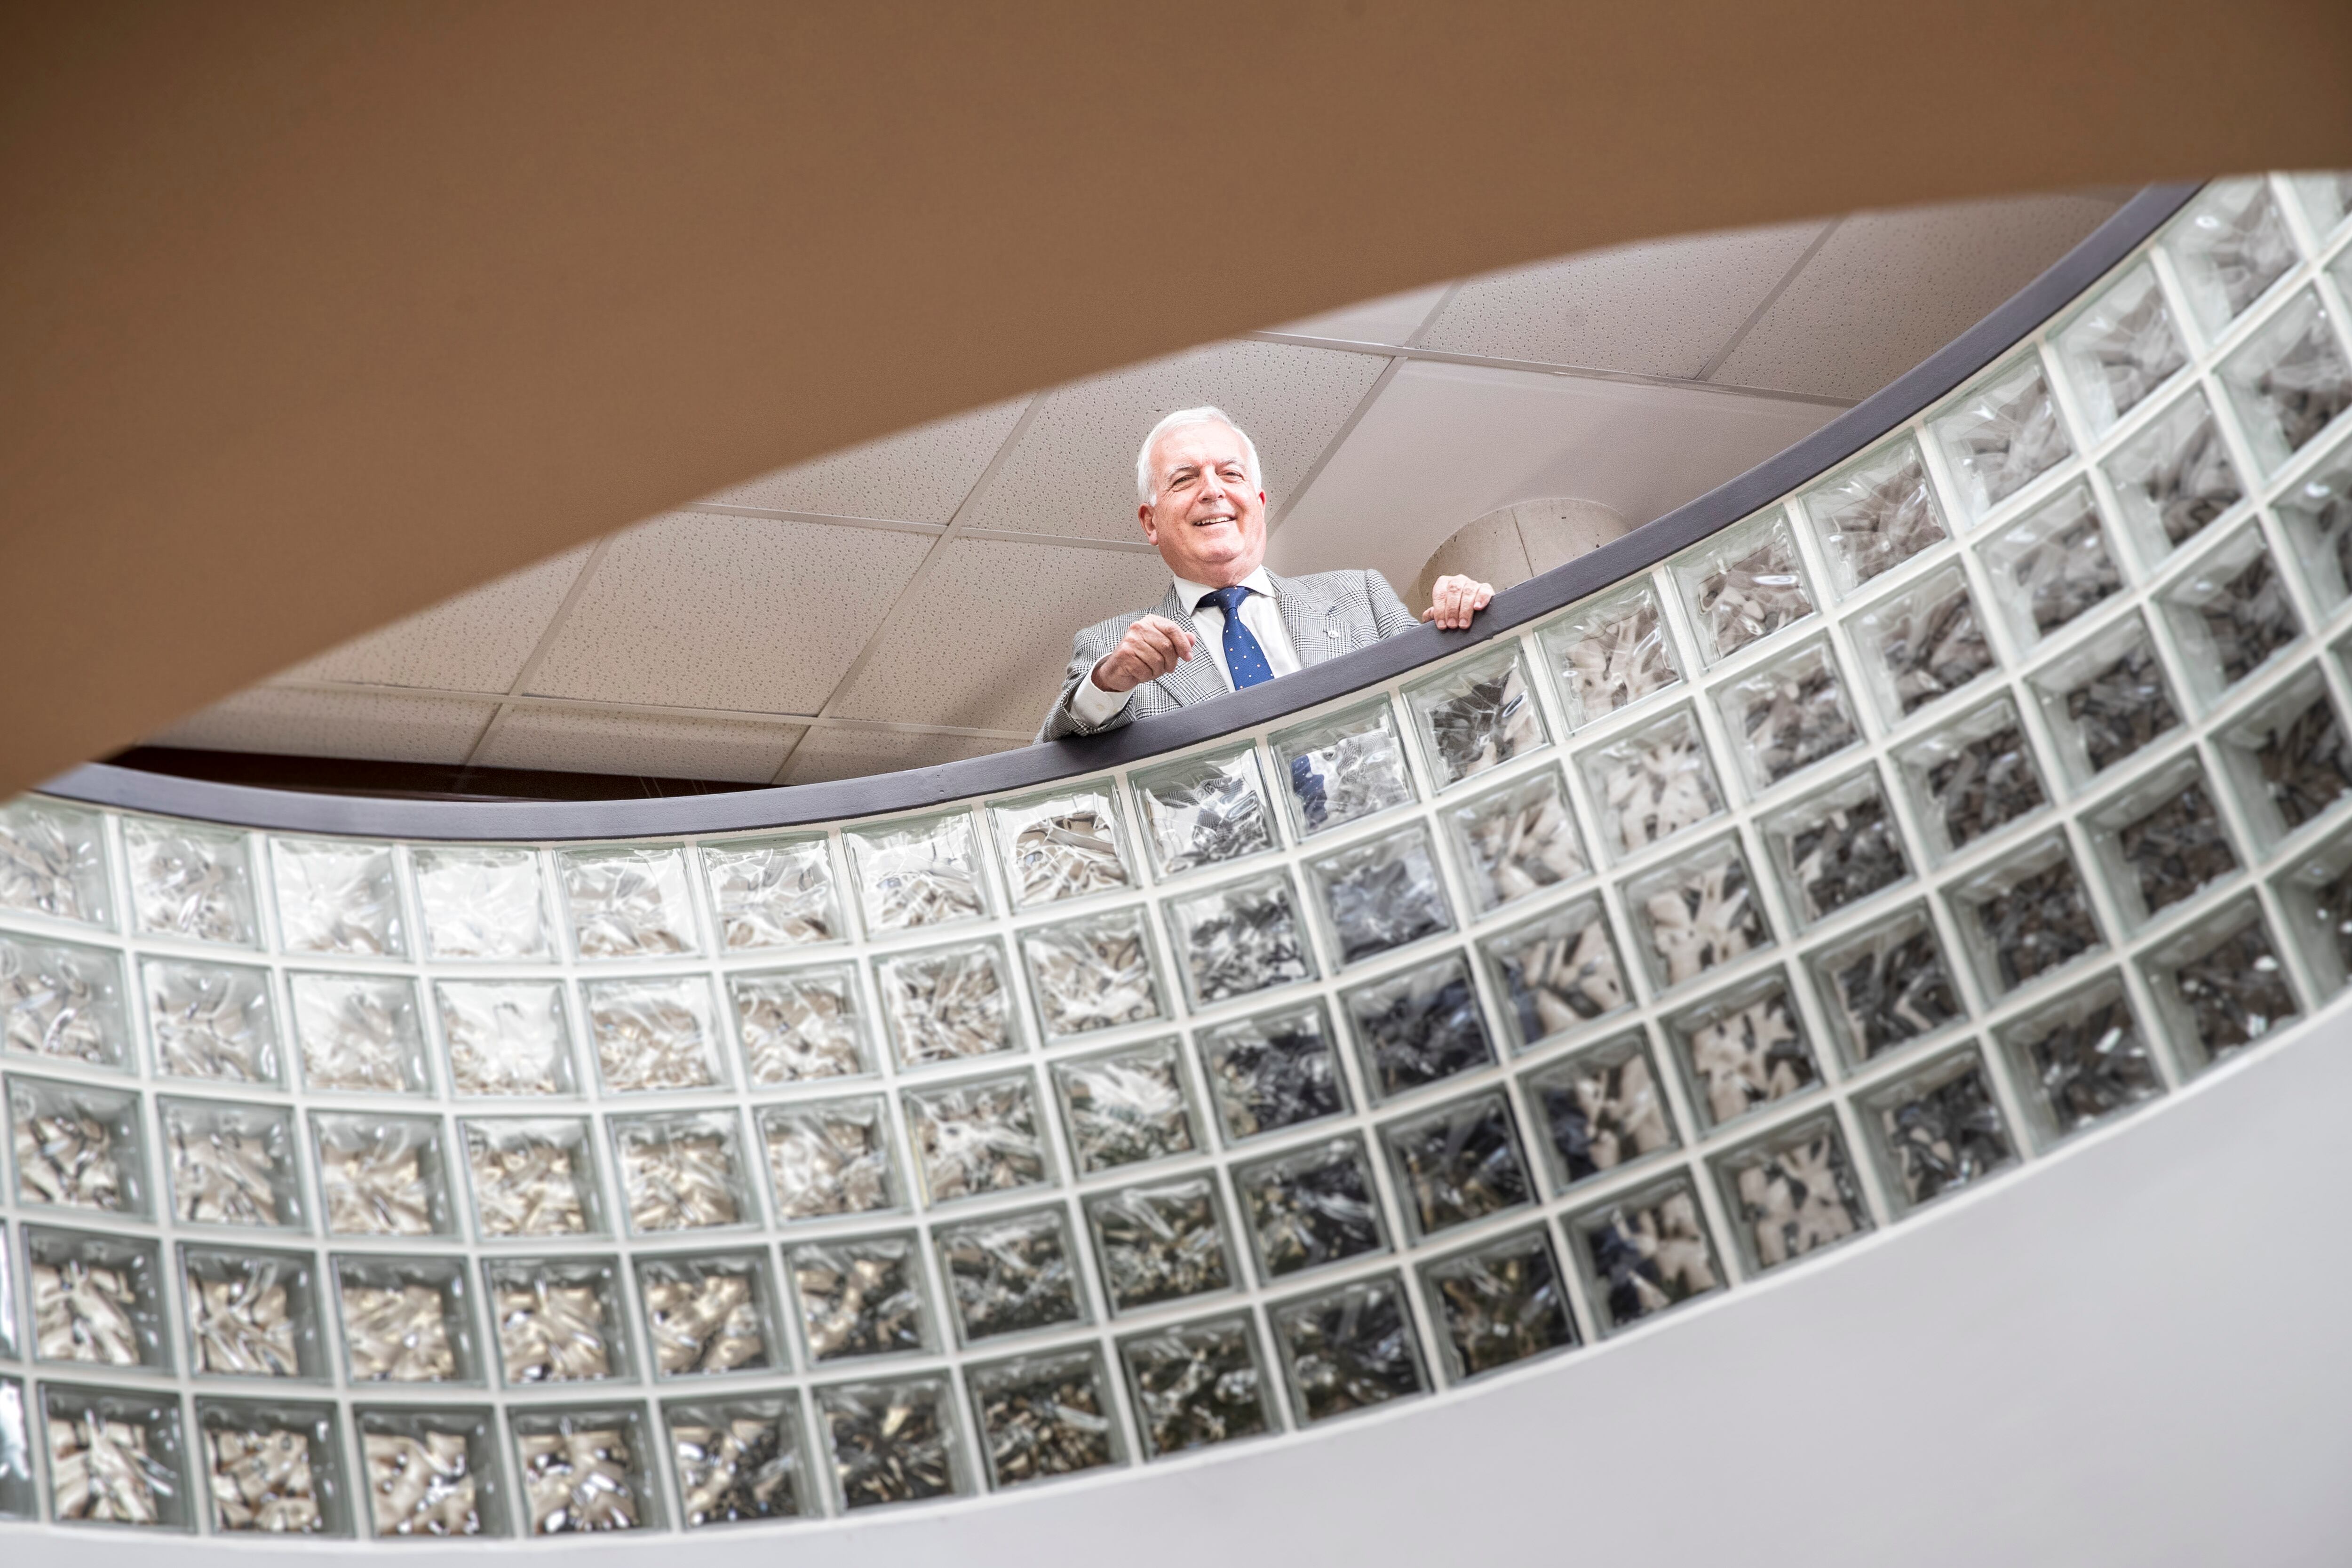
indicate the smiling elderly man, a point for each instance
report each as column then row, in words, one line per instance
column 1227, row 622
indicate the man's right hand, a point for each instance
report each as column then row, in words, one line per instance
column 1152, row 648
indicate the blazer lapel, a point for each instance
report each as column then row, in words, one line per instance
column 1309, row 618
column 1194, row 679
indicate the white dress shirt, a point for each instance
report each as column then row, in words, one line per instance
column 1092, row 705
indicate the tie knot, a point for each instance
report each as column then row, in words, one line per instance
column 1226, row 599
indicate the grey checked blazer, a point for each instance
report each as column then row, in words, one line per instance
column 1327, row 615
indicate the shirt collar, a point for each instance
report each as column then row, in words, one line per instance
column 1189, row 593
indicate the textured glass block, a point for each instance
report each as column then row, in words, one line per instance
column 2219, row 984
column 861, row 1297
column 683, row 1171
column 1478, row 714
column 2327, row 199
column 2052, row 564
column 586, row 1471
column 58, row 999
column 8, row 1347
column 1887, row 986
column 96, row 1300
column 273, row 1470
column 116, row 1457
column 1010, row 1274
column 1938, row 1131
column 2122, row 347
column 2288, row 758
column 1311, row 1206
column 1203, row 810
column 1160, row 1243
column 431, row 1473
column 1350, row 1347
column 19, row 1497
column 1744, row 1049
column 232, row 1164
column 1516, row 840
column 78, row 1147
column 892, row 1442
column 360, row 1034
column 1744, row 584
column 1497, row 1305
column 1651, row 782
column 2175, row 477
column 1611, row 651
column 53, row 862
column 1343, row 769
column 1418, row 1026
column 2288, row 381
column 946, row 1004
column 190, row 881
column 1598, row 1111
column 383, row 1175
column 506, row 1037
column 2080, row 1060
column 1197, row 1385
column 710, row 1313
column 2161, row 841
column 1125, row 1107
column 2230, row 614
column 1457, row 1164
column 1921, row 646
column 1381, row 893
column 1557, row 972
column 557, row 1319
column 1792, row 1192
column 1239, row 939
column 1836, row 846
column 1065, row 844
column 971, row 1138
column 337, row 896
column 628, row 903
column 252, row 1314
column 918, row 871
column 2027, row 917
column 832, row 1157
column 2317, row 512
column 482, row 903
column 1275, row 1070
column 2228, row 247
column 1974, row 776
column 407, row 1319
column 2106, row 699
column 1044, row 1416
column 653, row 1035
column 1093, row 973
column 212, row 1021
column 1876, row 515
column 739, row 1459
column 533, row 1177
column 799, row 1025
column 772, row 892
column 1785, row 716
column 2002, row 435
column 1694, row 912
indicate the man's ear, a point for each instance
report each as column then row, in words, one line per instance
column 1151, row 529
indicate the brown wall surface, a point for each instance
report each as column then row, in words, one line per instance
column 311, row 315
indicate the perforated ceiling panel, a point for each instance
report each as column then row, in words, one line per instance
column 392, row 726
column 840, row 752
column 920, row 476
column 592, row 741
column 475, row 642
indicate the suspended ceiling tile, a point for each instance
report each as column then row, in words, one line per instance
column 587, row 740
column 1663, row 308
column 1074, row 469
column 475, row 642
column 1392, row 320
column 1890, row 288
column 831, row 752
column 379, row 726
column 983, row 640
column 917, row 476
column 696, row 610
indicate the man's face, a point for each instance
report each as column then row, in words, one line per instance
column 1208, row 519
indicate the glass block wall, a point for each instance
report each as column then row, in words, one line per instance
column 1981, row 793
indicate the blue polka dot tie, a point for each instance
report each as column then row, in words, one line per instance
column 1244, row 659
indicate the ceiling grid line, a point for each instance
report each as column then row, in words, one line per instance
column 645, row 709
column 540, row 650
column 1764, row 306
column 1546, row 367
column 1397, row 362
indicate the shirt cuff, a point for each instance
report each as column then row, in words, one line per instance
column 1094, row 707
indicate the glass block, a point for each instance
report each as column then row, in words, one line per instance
column 892, row 1442
column 1239, row 939
column 2288, row 758
column 1418, row 1026
column 2317, row 512
column 1044, row 1416
column 2002, row 435
column 918, row 871
column 431, row 1472
column 1125, row 1107
column 506, row 1037
column 1272, row 1071
column 1203, row 810
column 1457, row 1164
column 2106, row 699
column 1888, row 986
column 1694, row 912
column 2175, row 477
column 1311, row 1206
column 9, row 1348
column 1093, row 973
column 739, row 1459
column 2228, row 247
column 2080, row 1060
column 360, row 1034
column 653, row 1035
column 274, row 1468
column 1479, row 713
column 558, row 1320
column 1744, row 584
column 2219, row 986
column 1921, row 646
column 2230, row 614
column 1938, row 1131
column 58, row 999
column 482, row 903
column 383, row 1175
column 1062, row 844
column 252, row 1314
column 1381, row 893
column 586, row 1471
column 19, row 1497
column 337, row 896
column 2121, row 348
column 1977, row 774
column 772, row 892
column 1516, row 840
column 1160, row 1243
column 533, row 1177
column 1876, row 514
column 2326, row 198
column 1837, row 847
column 860, row 1297
column 1197, row 1385
column 1744, row 1049
column 1611, row 651
column 977, row 1137
column 1598, row 1111
column 712, row 1313
column 1497, row 1305
column 683, row 1171
column 1558, row 971
column 1792, row 1192
column 116, row 1457
column 190, row 881
column 1785, row 716
column 78, row 1147
column 96, row 1300
column 2027, row 917
column 212, row 1021
column 1651, row 782
column 829, row 1157
column 2050, row 564
column 946, row 1004
column 407, row 1319
column 1350, row 1347
column 1010, row 1273
column 2288, row 381
column 53, row 862
column 1344, row 768
column 628, row 902
column 2161, row 842
column 799, row 1025
column 2315, row 893
column 232, row 1164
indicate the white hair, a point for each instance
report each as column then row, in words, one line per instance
column 1145, row 490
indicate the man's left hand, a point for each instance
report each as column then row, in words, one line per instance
column 1454, row 600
